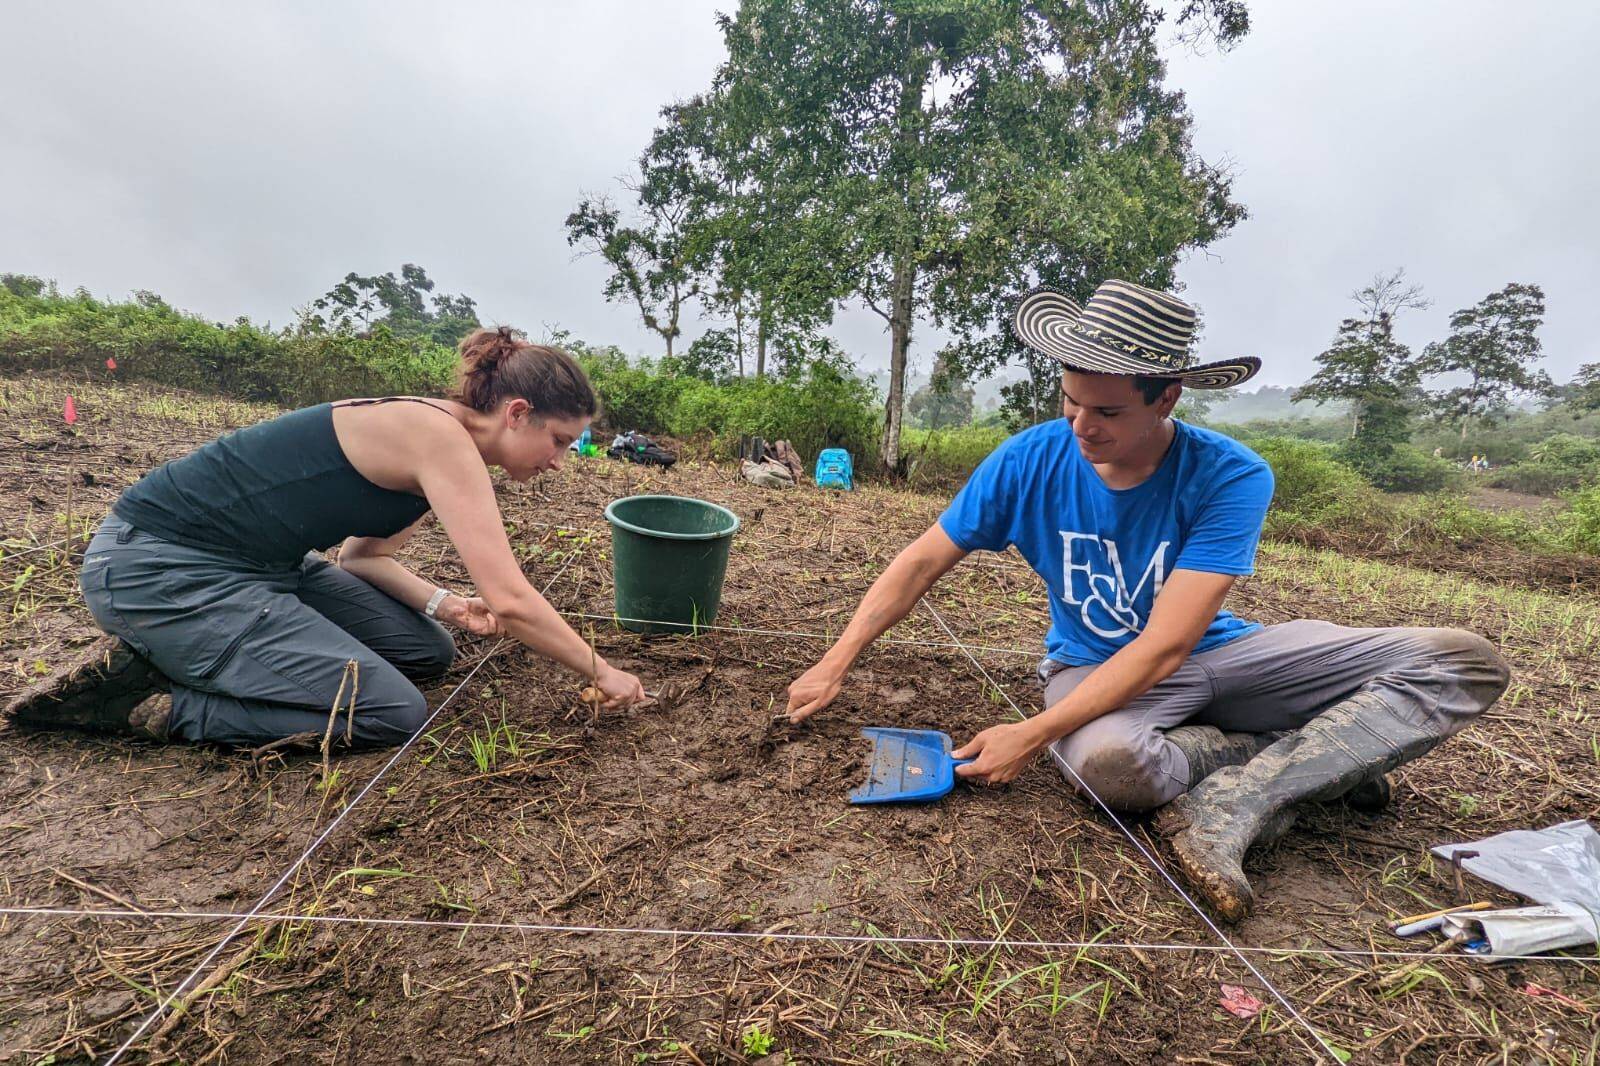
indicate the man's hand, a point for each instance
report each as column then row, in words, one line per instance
column 471, row 614
column 813, row 690
column 1001, row 752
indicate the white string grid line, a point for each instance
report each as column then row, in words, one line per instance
column 317, row 842
column 7, row 554
column 1320, row 1042
column 816, row 636
column 512, row 926
column 987, row 649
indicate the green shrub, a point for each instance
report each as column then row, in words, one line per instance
column 1535, row 479
column 1401, row 468
column 818, row 406
column 635, row 396
column 152, row 341
column 1580, row 523
column 1559, row 463
column 1327, row 430
column 948, row 456
column 1310, row 485
column 1567, row 451
column 821, row 404
column 1448, row 520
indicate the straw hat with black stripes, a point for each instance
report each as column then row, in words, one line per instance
column 1123, row 329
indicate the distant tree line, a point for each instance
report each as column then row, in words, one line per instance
column 1480, row 369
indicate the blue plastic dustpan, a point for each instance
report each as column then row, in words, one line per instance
column 908, row 766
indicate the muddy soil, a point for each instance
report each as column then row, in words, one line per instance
column 697, row 855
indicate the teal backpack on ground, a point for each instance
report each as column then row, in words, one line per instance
column 834, row 470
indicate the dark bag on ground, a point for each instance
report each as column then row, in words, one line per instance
column 637, row 448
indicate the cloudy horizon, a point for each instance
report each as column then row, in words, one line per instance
column 241, row 161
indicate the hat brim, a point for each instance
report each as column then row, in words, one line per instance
column 1041, row 322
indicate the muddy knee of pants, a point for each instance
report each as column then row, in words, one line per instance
column 1483, row 669
column 1476, row 673
column 1122, row 767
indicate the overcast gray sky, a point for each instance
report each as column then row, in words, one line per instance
column 240, row 159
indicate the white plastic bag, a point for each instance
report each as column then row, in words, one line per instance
column 1558, row 867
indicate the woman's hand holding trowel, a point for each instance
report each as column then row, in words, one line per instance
column 613, row 688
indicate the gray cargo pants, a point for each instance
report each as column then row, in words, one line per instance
column 1279, row 677
column 257, row 653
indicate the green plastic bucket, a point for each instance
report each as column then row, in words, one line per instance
column 668, row 557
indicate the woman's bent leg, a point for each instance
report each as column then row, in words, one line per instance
column 247, row 660
column 285, row 675
column 418, row 646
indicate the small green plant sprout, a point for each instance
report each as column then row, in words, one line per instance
column 757, row 1042
column 485, row 750
column 451, row 901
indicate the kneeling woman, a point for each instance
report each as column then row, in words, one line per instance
column 226, row 627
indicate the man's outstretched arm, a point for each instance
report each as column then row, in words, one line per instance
column 890, row 599
column 1186, row 607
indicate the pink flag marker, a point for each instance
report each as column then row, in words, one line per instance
column 111, row 362
column 1240, row 1003
column 69, row 411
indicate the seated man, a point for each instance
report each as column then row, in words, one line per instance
column 1139, row 525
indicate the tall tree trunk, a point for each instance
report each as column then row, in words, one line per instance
column 1472, row 405
column 761, row 335
column 902, row 285
column 905, row 276
column 672, row 323
column 738, row 331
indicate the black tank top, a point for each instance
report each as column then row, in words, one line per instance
column 269, row 493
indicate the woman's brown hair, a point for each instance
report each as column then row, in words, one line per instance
column 497, row 364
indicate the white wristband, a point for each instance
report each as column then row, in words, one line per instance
column 434, row 601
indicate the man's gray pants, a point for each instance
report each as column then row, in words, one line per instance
column 256, row 653
column 1277, row 678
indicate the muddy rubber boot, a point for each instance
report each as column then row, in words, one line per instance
column 150, row 718
column 1209, row 749
column 1370, row 796
column 94, row 692
column 1213, row 825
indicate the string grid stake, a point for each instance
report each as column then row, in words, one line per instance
column 327, row 831
column 466, row 925
column 1321, row 1045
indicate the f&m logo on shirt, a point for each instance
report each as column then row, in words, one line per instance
column 1098, row 585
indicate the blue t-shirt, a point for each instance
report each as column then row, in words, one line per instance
column 1104, row 553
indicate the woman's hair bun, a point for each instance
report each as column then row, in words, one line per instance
column 500, row 362
column 485, row 349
